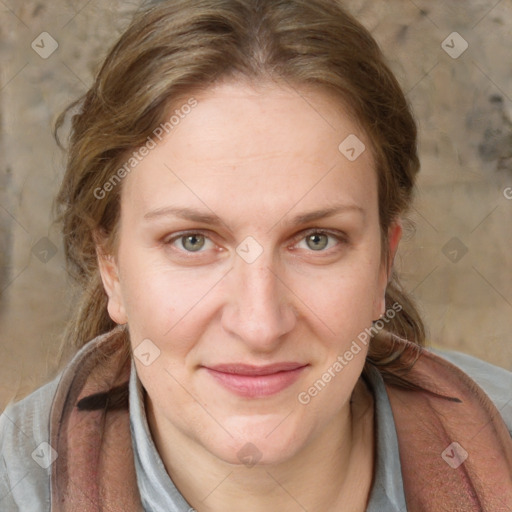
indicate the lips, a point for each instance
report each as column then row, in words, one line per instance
column 252, row 381
column 251, row 370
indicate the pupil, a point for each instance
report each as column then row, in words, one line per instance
column 315, row 240
column 191, row 242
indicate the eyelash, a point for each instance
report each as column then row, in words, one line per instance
column 338, row 235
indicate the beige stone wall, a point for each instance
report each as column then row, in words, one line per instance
column 459, row 261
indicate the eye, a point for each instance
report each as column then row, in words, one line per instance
column 189, row 242
column 318, row 240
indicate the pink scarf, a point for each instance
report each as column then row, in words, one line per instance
column 456, row 455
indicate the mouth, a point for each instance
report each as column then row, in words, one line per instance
column 252, row 381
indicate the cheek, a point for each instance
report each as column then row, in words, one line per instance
column 164, row 303
column 344, row 297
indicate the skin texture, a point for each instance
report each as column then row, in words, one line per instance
column 255, row 156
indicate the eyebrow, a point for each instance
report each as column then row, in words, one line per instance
column 204, row 217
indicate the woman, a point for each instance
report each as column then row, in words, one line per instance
column 237, row 178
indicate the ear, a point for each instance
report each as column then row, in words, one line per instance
column 394, row 236
column 109, row 272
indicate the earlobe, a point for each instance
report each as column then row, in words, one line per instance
column 109, row 273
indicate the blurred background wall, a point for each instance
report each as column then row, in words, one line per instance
column 453, row 61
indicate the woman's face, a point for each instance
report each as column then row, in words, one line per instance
column 249, row 260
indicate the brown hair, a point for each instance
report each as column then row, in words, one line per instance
column 173, row 48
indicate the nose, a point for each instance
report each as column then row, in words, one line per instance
column 260, row 307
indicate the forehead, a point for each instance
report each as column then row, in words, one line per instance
column 246, row 147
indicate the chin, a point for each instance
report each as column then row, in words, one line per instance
column 262, row 441
column 249, row 454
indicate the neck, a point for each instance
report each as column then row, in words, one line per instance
column 332, row 472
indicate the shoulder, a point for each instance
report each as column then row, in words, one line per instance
column 25, row 453
column 495, row 381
